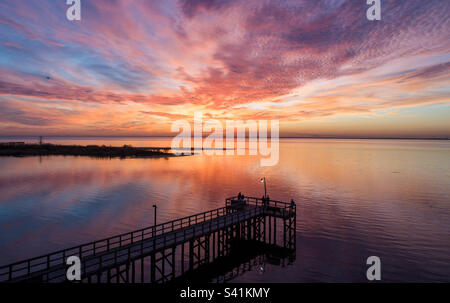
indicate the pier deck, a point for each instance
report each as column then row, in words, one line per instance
column 116, row 257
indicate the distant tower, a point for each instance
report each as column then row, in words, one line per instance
column 40, row 140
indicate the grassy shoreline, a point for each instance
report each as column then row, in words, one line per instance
column 24, row 150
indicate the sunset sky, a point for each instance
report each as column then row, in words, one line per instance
column 132, row 67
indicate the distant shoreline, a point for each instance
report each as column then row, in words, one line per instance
column 20, row 149
column 288, row 137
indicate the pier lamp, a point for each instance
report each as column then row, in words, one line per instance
column 154, row 216
column 154, row 220
column 263, row 180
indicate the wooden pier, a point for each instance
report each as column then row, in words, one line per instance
column 166, row 251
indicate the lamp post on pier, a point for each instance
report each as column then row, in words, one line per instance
column 154, row 219
column 263, row 180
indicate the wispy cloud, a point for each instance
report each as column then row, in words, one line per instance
column 291, row 60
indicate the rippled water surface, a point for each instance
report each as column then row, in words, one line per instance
column 355, row 198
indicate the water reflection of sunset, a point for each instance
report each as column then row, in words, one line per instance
column 386, row 193
column 132, row 68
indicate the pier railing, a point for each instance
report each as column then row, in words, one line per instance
column 44, row 262
column 271, row 207
column 130, row 245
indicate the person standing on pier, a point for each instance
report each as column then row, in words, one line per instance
column 242, row 199
column 291, row 207
column 264, row 202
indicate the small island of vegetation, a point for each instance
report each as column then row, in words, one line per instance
column 20, row 149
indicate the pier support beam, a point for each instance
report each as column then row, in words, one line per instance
column 289, row 232
column 156, row 247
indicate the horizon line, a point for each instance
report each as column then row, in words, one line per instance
column 281, row 137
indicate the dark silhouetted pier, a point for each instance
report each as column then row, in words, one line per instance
column 167, row 251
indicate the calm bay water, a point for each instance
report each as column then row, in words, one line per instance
column 355, row 198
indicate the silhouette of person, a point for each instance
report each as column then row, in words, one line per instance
column 292, row 205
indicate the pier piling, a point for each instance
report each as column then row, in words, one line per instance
column 209, row 236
